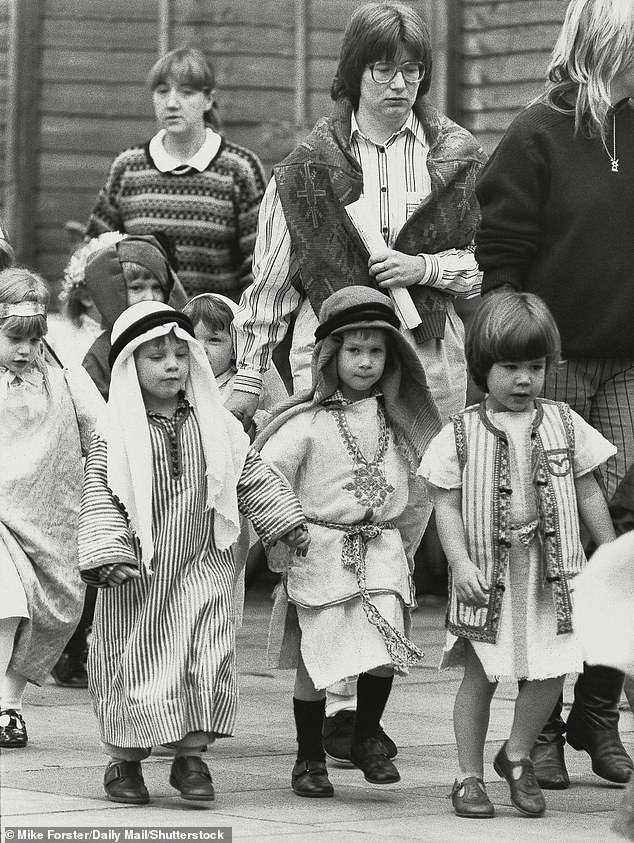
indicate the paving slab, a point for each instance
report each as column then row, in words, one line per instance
column 57, row 780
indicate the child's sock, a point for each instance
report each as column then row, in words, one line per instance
column 13, row 690
column 309, row 720
column 372, row 696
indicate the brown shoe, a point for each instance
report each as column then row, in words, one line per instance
column 123, row 782
column 191, row 776
column 310, row 778
column 525, row 792
column 550, row 766
column 469, row 799
column 370, row 757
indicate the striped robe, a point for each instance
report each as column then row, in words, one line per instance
column 162, row 658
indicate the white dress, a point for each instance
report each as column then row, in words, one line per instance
column 527, row 645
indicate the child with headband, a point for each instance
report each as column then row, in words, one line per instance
column 47, row 417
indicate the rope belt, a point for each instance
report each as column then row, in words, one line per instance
column 403, row 653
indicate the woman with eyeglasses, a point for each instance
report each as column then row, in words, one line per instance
column 557, row 199
column 188, row 182
column 416, row 171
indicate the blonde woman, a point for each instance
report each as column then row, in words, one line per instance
column 557, row 202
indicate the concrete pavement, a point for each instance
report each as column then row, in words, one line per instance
column 57, row 780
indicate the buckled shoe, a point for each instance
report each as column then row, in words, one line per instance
column 123, row 782
column 470, row 799
column 191, row 776
column 310, row 778
column 525, row 792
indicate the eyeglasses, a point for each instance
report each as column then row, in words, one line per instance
column 384, row 71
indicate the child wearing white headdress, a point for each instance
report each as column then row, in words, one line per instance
column 168, row 473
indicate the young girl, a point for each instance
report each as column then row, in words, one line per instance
column 46, row 420
column 510, row 479
column 350, row 450
column 167, row 470
column 186, row 175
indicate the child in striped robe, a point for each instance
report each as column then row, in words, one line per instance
column 168, row 472
column 510, row 478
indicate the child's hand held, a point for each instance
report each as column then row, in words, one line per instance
column 298, row 539
column 122, row 573
column 470, row 584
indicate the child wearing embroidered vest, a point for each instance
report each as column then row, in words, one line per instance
column 350, row 449
column 47, row 416
column 169, row 471
column 510, row 478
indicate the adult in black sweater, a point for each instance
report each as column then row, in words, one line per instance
column 557, row 202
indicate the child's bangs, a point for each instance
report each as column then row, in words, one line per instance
column 24, row 327
column 214, row 314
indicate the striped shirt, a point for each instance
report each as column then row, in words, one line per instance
column 396, row 180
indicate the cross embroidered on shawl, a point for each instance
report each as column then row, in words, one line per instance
column 310, row 194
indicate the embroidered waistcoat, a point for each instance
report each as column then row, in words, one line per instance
column 483, row 454
column 321, row 176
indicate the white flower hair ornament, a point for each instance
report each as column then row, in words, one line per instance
column 74, row 273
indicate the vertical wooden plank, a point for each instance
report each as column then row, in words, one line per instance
column 23, row 122
column 164, row 19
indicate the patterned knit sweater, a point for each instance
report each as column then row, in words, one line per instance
column 211, row 216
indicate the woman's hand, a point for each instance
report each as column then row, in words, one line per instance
column 298, row 539
column 122, row 573
column 470, row 584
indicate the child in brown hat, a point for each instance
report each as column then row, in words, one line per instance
column 350, row 449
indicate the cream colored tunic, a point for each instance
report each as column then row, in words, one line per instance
column 334, row 487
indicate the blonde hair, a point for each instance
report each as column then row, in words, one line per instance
column 18, row 284
column 595, row 43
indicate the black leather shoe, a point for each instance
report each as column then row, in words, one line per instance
column 337, row 736
column 391, row 750
column 12, row 729
column 191, row 776
column 310, row 778
column 525, row 792
column 609, row 757
column 123, row 782
column 469, row 799
column 370, row 757
column 549, row 764
column 68, row 673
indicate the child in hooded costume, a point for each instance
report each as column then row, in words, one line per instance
column 133, row 269
column 350, row 450
column 166, row 478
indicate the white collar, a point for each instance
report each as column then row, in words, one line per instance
column 166, row 163
column 412, row 124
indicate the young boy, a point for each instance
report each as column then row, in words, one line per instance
column 134, row 269
column 168, row 471
column 350, row 452
column 212, row 317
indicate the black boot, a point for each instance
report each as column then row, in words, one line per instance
column 548, row 753
column 593, row 723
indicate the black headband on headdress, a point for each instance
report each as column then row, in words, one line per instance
column 152, row 320
column 375, row 312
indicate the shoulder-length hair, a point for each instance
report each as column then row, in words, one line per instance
column 379, row 31
column 595, row 43
column 189, row 66
column 510, row 326
column 17, row 285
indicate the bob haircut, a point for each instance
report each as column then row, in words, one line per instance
column 379, row 31
column 595, row 43
column 18, row 284
column 510, row 326
column 188, row 66
column 212, row 312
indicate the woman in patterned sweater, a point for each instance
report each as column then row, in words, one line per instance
column 188, row 181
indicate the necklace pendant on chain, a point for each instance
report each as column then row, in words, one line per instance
column 615, row 165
